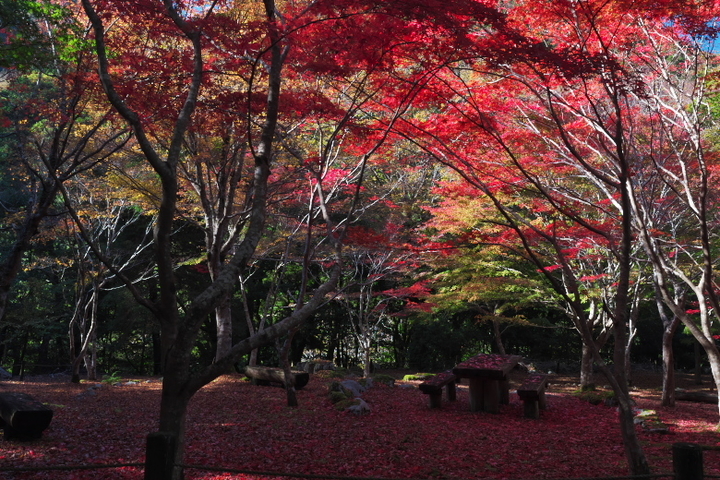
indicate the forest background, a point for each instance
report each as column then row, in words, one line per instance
column 192, row 186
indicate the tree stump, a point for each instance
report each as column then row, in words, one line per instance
column 267, row 375
column 701, row 397
column 23, row 417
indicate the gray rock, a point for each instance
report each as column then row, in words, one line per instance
column 353, row 386
column 360, row 408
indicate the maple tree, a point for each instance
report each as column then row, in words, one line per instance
column 161, row 140
column 103, row 214
column 564, row 146
column 51, row 131
column 261, row 122
column 183, row 27
column 157, row 89
column 473, row 272
column 365, row 293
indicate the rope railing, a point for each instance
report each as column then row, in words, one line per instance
column 311, row 476
column 260, row 473
column 88, row 466
column 687, row 465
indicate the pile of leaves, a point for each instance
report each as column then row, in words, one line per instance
column 235, row 425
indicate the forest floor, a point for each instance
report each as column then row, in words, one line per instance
column 235, row 425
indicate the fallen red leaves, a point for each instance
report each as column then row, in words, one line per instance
column 493, row 361
column 236, row 425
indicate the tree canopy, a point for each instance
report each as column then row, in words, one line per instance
column 355, row 179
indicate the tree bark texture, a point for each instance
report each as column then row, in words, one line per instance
column 668, row 363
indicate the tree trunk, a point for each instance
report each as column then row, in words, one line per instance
column 633, row 449
column 21, row 359
column 173, row 413
column 156, row 353
column 91, row 360
column 498, row 337
column 628, row 350
column 283, row 348
column 252, row 361
column 366, row 358
column 668, row 363
column 714, row 359
column 174, row 399
column 223, row 321
column 700, row 397
column 586, row 366
column 698, row 364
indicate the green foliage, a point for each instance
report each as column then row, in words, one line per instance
column 594, row 396
column 418, row 376
column 337, row 373
column 442, row 343
column 337, row 387
column 347, row 403
column 28, row 46
column 336, row 397
column 111, row 379
column 384, row 379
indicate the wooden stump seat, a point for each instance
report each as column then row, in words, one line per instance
column 532, row 393
column 433, row 388
column 268, row 375
column 23, row 417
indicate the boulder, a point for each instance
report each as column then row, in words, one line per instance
column 360, row 407
column 354, row 387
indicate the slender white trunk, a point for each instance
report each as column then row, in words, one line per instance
column 223, row 322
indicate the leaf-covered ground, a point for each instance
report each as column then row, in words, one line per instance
column 237, row 425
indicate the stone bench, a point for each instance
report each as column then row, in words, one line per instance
column 23, row 417
column 532, row 393
column 433, row 387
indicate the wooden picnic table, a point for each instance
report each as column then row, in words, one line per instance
column 487, row 375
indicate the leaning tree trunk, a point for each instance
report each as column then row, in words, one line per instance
column 714, row 358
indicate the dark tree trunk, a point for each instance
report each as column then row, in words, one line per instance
column 586, row 366
column 498, row 337
column 698, row 364
column 156, row 353
column 283, row 347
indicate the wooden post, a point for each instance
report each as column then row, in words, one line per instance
column 451, row 392
column 435, row 399
column 476, row 395
column 531, row 408
column 542, row 401
column 491, row 398
column 687, row 461
column 160, row 456
column 504, row 385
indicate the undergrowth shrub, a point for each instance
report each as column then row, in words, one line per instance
column 418, row 376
